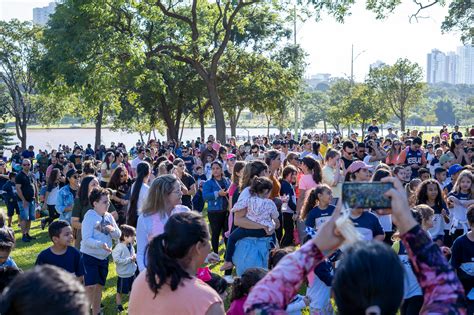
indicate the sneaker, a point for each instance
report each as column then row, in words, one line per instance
column 229, row 279
column 30, row 237
column 120, row 308
column 25, row 239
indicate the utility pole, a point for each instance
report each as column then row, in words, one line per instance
column 297, row 107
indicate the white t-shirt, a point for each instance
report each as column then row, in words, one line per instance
column 135, row 162
column 142, row 195
column 53, row 196
column 367, row 159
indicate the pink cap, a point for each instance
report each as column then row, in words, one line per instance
column 357, row 165
column 230, row 156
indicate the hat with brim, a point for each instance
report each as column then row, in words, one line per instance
column 358, row 165
column 453, row 169
column 71, row 173
column 445, row 158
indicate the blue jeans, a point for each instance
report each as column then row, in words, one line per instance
column 251, row 252
column 29, row 213
column 238, row 234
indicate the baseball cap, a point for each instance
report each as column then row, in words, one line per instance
column 445, row 158
column 71, row 173
column 276, row 142
column 357, row 165
column 230, row 156
column 453, row 169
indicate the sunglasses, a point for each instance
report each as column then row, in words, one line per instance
column 254, row 151
column 123, row 175
column 180, row 165
column 25, row 164
column 232, row 159
column 350, row 153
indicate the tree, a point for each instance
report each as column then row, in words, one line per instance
column 19, row 51
column 460, row 18
column 400, row 87
column 336, row 112
column 445, row 113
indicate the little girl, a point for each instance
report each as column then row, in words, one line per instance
column 208, row 167
column 261, row 210
column 459, row 199
column 429, row 193
column 317, row 209
column 98, row 230
column 241, row 288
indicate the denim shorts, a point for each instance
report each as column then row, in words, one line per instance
column 27, row 214
column 95, row 270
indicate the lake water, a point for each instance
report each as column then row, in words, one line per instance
column 52, row 138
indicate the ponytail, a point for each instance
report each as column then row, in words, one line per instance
column 313, row 199
column 242, row 285
column 162, row 267
column 143, row 170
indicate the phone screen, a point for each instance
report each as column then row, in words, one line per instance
column 366, row 195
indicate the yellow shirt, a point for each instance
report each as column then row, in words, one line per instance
column 323, row 149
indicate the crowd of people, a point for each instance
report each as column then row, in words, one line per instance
column 166, row 212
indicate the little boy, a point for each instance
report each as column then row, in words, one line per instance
column 11, row 199
column 125, row 262
column 7, row 242
column 61, row 253
column 440, row 175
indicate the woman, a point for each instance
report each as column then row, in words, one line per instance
column 127, row 164
column 315, row 152
column 106, row 169
column 51, row 197
column 66, row 196
column 288, row 208
column 366, row 266
column 215, row 192
column 222, row 157
column 457, row 147
column 118, row 160
column 164, row 199
column 358, row 171
column 231, row 159
column 234, row 191
column 82, row 205
column 311, row 178
column 393, row 153
column 119, row 183
column 273, row 160
column 139, row 193
column 187, row 181
column 332, row 175
column 169, row 284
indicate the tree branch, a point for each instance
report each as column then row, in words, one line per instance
column 420, row 8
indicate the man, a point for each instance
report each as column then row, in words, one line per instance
column 376, row 154
column 188, row 160
column 413, row 156
column 216, row 146
column 373, row 127
column 28, row 154
column 361, row 152
column 255, row 153
column 140, row 157
column 209, row 150
column 284, row 150
column 89, row 150
column 323, row 148
column 76, row 158
column 456, row 134
column 27, row 194
column 391, row 135
column 42, row 159
column 347, row 153
column 307, row 147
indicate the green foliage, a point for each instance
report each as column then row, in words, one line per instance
column 6, row 139
column 460, row 18
column 445, row 113
column 399, row 87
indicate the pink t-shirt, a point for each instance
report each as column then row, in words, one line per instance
column 237, row 306
column 306, row 182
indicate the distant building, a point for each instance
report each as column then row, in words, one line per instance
column 319, row 81
column 453, row 68
column 41, row 15
column 377, row 64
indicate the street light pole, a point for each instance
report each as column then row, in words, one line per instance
column 297, row 107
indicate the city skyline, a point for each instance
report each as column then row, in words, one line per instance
column 373, row 40
column 451, row 67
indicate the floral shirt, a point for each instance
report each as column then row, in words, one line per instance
column 443, row 293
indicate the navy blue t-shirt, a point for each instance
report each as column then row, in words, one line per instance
column 189, row 162
column 368, row 225
column 462, row 260
column 317, row 216
column 70, row 261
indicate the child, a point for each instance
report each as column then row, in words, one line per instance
column 261, row 210
column 459, row 199
column 198, row 200
column 429, row 193
column 124, row 257
column 241, row 288
column 440, row 174
column 62, row 254
column 317, row 209
column 98, row 230
column 11, row 199
column 462, row 258
column 424, row 174
column 427, row 216
column 411, row 188
column 299, row 301
column 7, row 242
column 434, row 163
column 208, row 167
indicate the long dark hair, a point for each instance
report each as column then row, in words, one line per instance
column 84, row 190
column 242, row 285
column 143, row 170
column 115, row 179
column 107, row 158
column 181, row 232
column 312, row 199
column 422, row 193
column 314, row 167
column 53, row 177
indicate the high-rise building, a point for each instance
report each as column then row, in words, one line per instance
column 41, row 15
column 436, row 68
column 465, row 65
column 451, row 67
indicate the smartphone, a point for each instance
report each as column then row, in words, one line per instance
column 366, row 195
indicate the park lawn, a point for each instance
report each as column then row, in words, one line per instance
column 25, row 255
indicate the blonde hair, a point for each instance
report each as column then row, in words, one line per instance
column 158, row 193
column 457, row 185
column 425, row 211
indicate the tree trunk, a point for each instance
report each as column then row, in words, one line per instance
column 98, row 125
column 233, row 126
column 20, row 128
column 141, row 136
column 325, row 126
column 402, row 121
column 202, row 124
column 218, row 111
